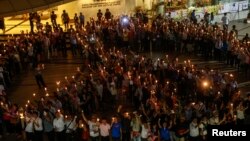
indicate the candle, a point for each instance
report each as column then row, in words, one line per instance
column 98, row 119
column 47, row 94
column 82, row 125
column 58, row 83
column 45, row 89
column 34, row 94
column 28, row 101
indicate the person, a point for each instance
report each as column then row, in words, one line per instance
column 116, row 129
column 39, row 77
column 104, row 130
column 246, row 38
column 38, row 127
column 58, row 124
column 107, row 14
column 225, row 21
column 136, row 124
column 70, row 127
column 76, row 21
column 65, row 20
column 203, row 128
column 2, row 25
column 99, row 15
column 235, row 31
column 212, row 18
column 194, row 130
column 93, row 127
column 31, row 18
column 82, row 20
column 48, row 124
column 53, row 17
column 193, row 17
column 164, row 130
column 29, row 129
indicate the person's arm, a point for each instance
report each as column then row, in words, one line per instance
column 159, row 123
column 84, row 117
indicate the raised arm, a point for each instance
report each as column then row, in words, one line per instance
column 84, row 117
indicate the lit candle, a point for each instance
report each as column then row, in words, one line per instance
column 58, row 83
column 47, row 94
column 34, row 94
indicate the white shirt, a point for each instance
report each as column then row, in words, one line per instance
column 58, row 124
column 70, row 125
column 225, row 20
column 144, row 132
column 29, row 125
column 203, row 128
column 104, row 129
column 240, row 114
column 93, row 129
column 194, row 130
column 38, row 121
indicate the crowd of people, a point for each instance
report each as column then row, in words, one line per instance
column 171, row 100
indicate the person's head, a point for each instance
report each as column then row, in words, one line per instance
column 93, row 118
column 114, row 119
column 225, row 14
column 35, row 114
column 194, row 121
column 53, row 12
column 234, row 26
column 104, row 121
column 58, row 114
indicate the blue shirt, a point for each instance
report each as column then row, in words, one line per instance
column 116, row 130
column 164, row 133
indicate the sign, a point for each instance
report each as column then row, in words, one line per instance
column 224, row 8
column 101, row 3
column 243, row 4
column 234, row 7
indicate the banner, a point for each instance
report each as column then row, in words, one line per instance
column 234, row 7
column 224, row 8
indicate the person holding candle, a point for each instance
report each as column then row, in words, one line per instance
column 38, row 127
column 48, row 124
column 93, row 127
column 29, row 129
column 58, row 124
column 70, row 127
column 136, row 124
